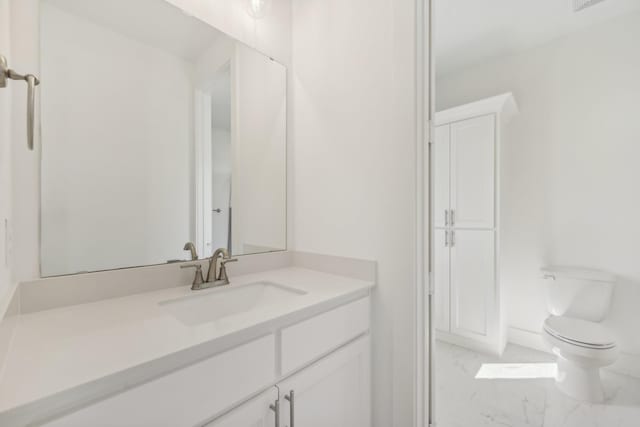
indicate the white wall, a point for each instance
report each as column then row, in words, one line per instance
column 5, row 156
column 354, row 165
column 212, row 61
column 129, row 133
column 570, row 165
column 270, row 35
column 259, row 180
column 25, row 170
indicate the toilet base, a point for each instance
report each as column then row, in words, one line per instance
column 579, row 381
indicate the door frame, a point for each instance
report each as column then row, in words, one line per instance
column 202, row 171
column 6, row 286
column 424, row 384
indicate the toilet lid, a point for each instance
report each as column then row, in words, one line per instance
column 579, row 332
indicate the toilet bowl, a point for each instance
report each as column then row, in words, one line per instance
column 578, row 300
column 582, row 348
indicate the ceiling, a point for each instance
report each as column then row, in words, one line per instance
column 468, row 32
column 152, row 22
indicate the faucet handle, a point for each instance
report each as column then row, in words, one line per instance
column 198, row 278
column 222, row 274
column 195, row 265
column 223, row 261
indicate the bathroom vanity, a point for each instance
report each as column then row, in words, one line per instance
column 185, row 151
column 273, row 348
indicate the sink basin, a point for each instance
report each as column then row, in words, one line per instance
column 230, row 300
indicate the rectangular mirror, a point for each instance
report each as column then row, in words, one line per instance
column 157, row 130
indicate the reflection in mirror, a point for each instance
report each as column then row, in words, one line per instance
column 157, row 129
column 535, row 212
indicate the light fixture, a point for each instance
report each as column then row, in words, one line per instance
column 258, row 8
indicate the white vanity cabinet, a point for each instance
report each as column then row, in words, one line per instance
column 187, row 396
column 323, row 359
column 257, row 412
column 467, row 223
column 333, row 392
column 472, row 284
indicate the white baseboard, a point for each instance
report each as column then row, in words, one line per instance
column 465, row 342
column 627, row 363
column 527, row 338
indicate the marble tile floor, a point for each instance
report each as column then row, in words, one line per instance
column 528, row 398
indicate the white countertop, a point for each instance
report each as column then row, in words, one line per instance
column 55, row 353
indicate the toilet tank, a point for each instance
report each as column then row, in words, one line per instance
column 579, row 293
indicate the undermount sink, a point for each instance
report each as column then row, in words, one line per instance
column 227, row 301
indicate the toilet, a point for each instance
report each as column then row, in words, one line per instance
column 578, row 300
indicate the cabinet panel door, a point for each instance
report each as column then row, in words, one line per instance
column 472, row 282
column 473, row 172
column 441, row 162
column 441, row 278
column 186, row 396
column 254, row 413
column 334, row 392
column 312, row 338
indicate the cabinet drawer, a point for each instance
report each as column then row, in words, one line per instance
column 315, row 337
column 185, row 397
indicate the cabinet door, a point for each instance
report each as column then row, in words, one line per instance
column 441, row 278
column 441, row 162
column 473, row 283
column 473, row 172
column 334, row 392
column 254, row 413
column 186, row 396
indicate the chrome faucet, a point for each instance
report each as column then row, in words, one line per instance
column 216, row 276
column 219, row 274
column 189, row 246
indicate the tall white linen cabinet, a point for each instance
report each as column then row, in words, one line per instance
column 466, row 215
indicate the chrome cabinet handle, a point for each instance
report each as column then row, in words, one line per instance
column 216, row 210
column 453, row 238
column 275, row 407
column 32, row 81
column 446, row 217
column 446, row 238
column 291, row 398
column 453, row 217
